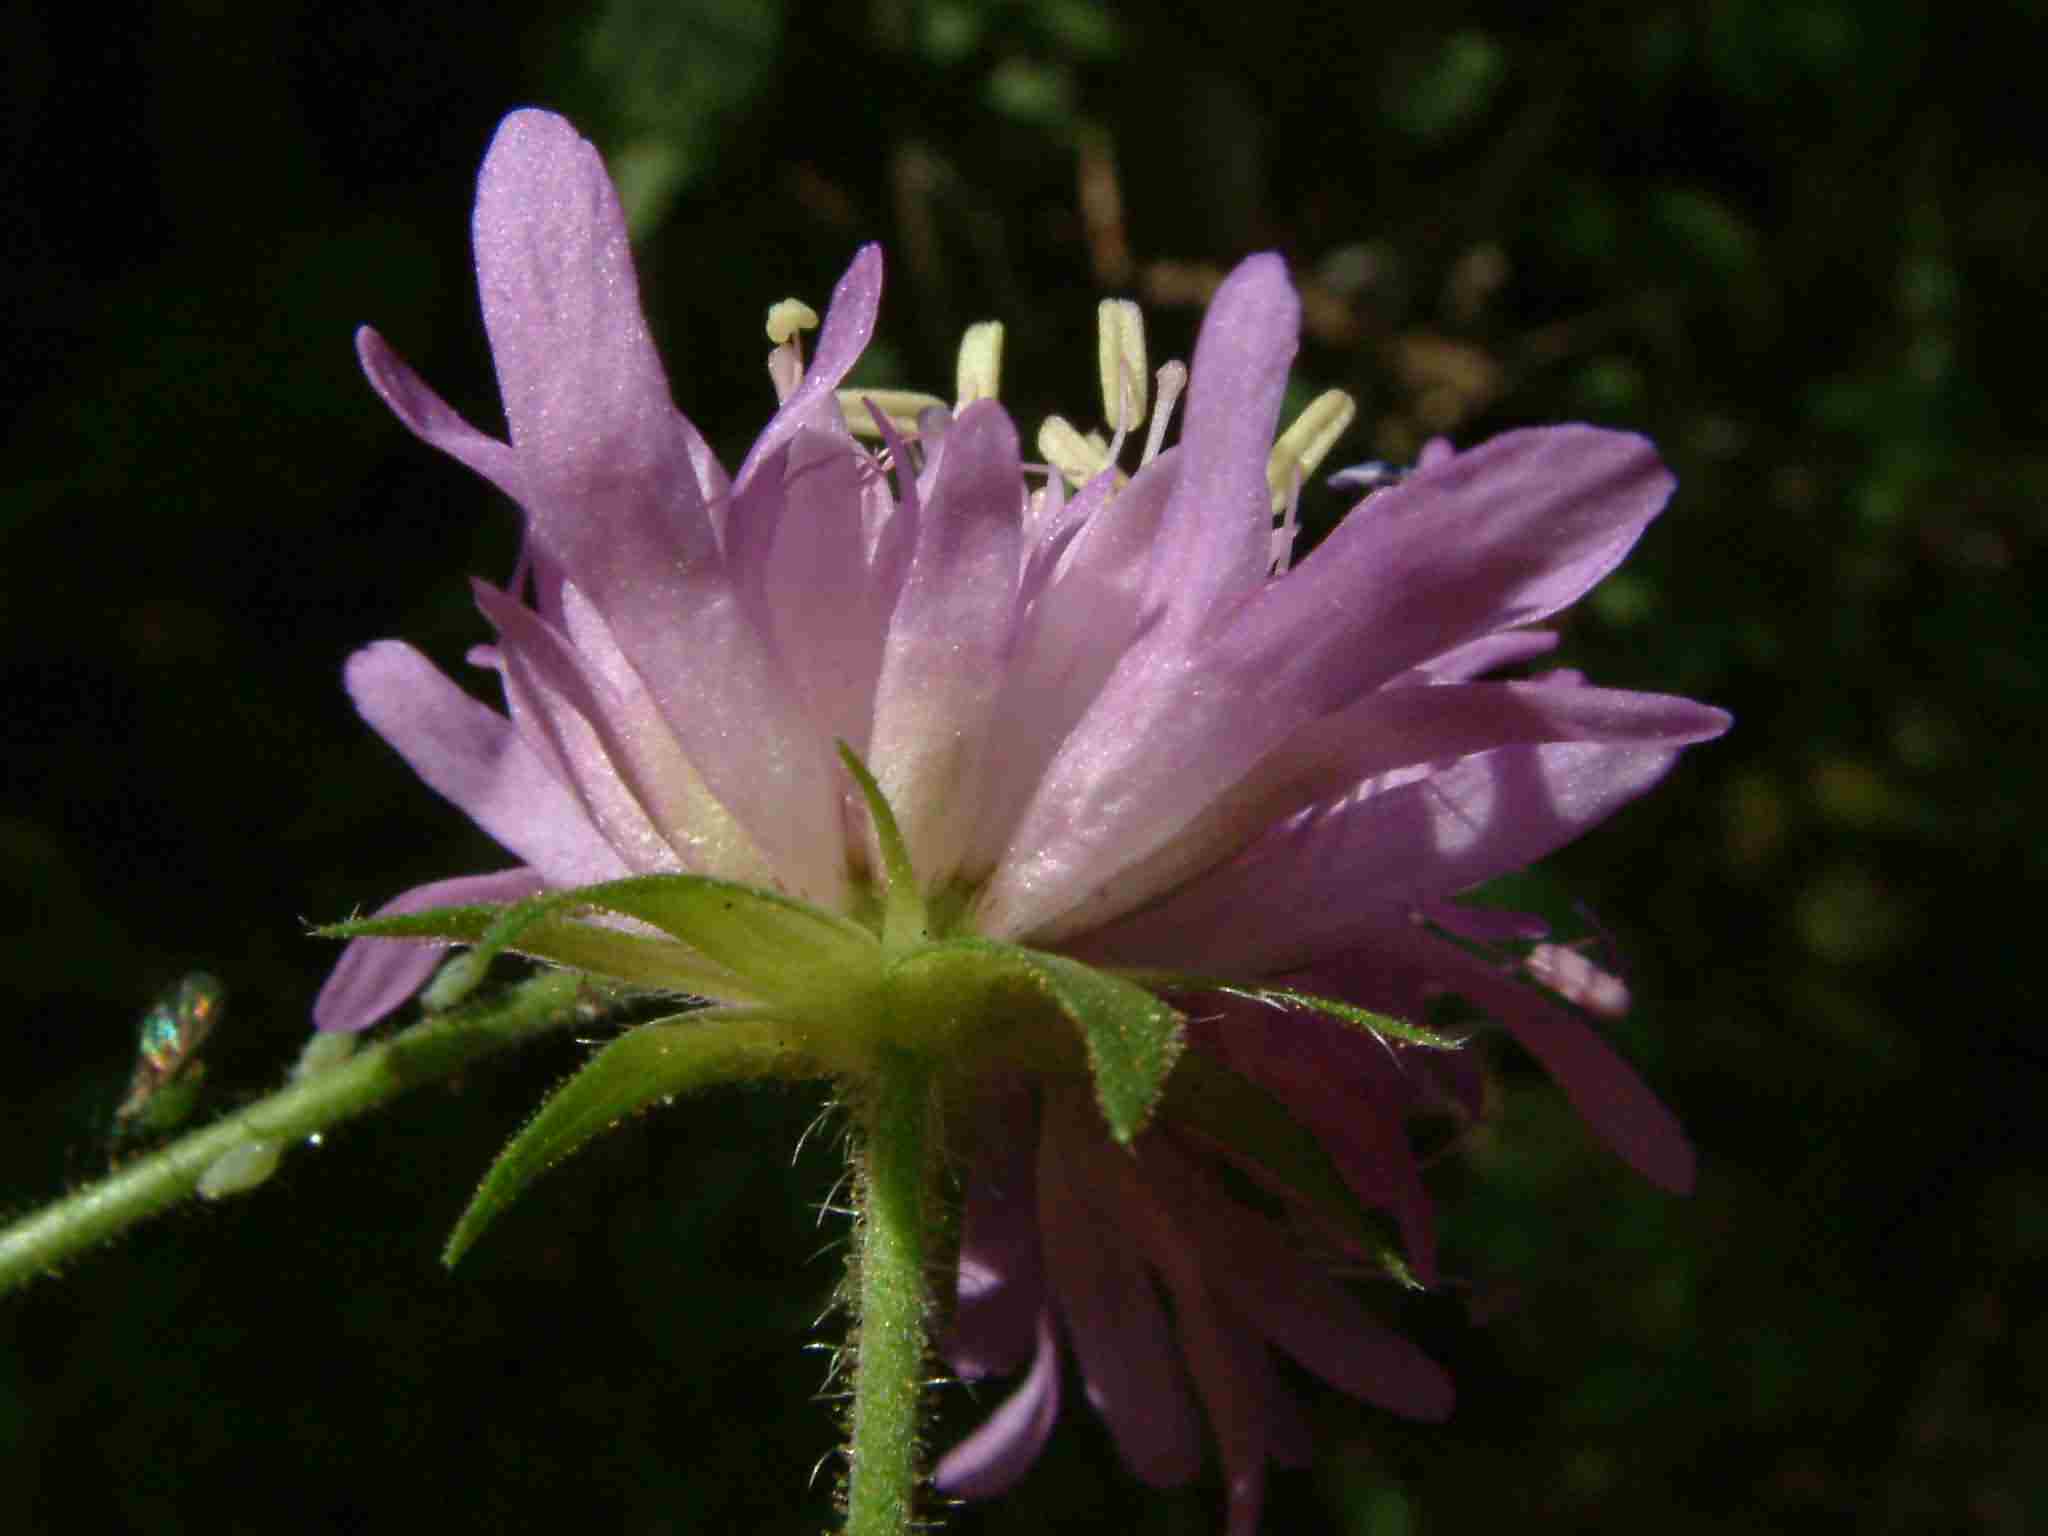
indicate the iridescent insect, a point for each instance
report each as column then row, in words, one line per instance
column 166, row 1081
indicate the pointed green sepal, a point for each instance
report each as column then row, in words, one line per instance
column 781, row 949
column 633, row 958
column 647, row 1065
column 1280, row 1153
column 1132, row 1039
column 1385, row 1026
column 904, row 919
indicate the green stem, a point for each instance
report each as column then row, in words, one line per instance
column 896, row 1227
column 150, row 1184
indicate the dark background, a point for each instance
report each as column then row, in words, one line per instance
column 1797, row 243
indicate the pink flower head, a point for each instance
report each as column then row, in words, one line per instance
column 1112, row 724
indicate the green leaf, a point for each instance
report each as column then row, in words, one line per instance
column 647, row 1065
column 1234, row 1112
column 1132, row 1038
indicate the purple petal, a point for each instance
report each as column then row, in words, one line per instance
column 1605, row 1090
column 1113, row 1315
column 374, row 976
column 614, row 481
column 833, row 648
column 1477, row 657
column 637, row 738
column 565, row 726
column 430, row 418
column 1087, row 613
column 1484, row 925
column 471, row 755
column 1229, row 1366
column 1300, row 891
column 1488, row 540
column 583, row 387
column 1347, row 1090
column 1217, row 535
column 1001, row 1282
column 739, row 721
column 849, row 325
column 950, row 640
column 1484, row 541
column 997, row 1455
column 1292, row 1302
column 1393, row 729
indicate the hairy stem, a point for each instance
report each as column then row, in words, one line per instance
column 896, row 1229
column 150, row 1184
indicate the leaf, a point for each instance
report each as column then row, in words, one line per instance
column 1277, row 1151
column 1132, row 1038
column 650, row 1064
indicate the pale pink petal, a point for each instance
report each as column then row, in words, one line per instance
column 996, row 1456
column 375, row 976
column 471, row 755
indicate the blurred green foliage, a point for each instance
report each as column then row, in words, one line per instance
column 1795, row 244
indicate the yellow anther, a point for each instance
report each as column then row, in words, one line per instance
column 789, row 317
column 901, row 406
column 1302, row 446
column 1078, row 458
column 1120, row 340
column 979, row 372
